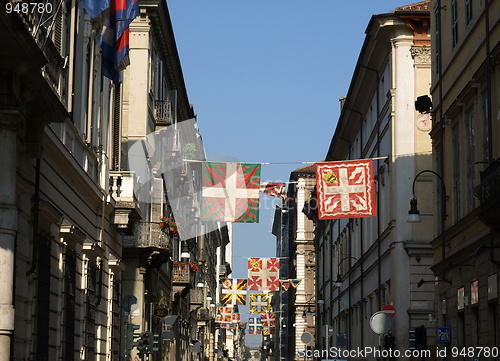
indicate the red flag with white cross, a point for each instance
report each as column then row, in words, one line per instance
column 345, row 189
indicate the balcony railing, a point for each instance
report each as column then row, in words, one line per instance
column 181, row 276
column 40, row 23
column 164, row 113
column 149, row 234
column 488, row 192
column 121, row 186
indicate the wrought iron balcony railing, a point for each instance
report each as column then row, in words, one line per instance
column 488, row 192
column 149, row 234
column 181, row 276
column 164, row 112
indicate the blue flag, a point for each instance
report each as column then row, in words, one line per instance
column 95, row 7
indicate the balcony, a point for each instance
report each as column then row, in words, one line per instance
column 127, row 211
column 196, row 296
column 182, row 280
column 488, row 192
column 204, row 314
column 164, row 112
column 181, row 276
column 149, row 234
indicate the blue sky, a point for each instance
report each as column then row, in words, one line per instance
column 265, row 78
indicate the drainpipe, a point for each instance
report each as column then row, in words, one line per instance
column 35, row 218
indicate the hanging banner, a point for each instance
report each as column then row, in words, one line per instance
column 263, row 274
column 345, row 189
column 259, row 303
column 230, row 192
column 234, row 291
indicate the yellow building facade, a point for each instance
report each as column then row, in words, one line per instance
column 465, row 135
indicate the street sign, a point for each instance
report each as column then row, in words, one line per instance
column 306, row 338
column 341, row 339
column 389, row 310
column 168, row 335
column 443, row 335
column 130, row 303
column 380, row 323
column 169, row 320
column 160, row 312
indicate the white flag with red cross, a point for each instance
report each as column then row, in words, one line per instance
column 263, row 274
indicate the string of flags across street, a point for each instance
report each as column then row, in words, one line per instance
column 230, row 193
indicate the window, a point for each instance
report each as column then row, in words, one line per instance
column 454, row 23
column 460, row 298
column 484, row 122
column 70, row 310
column 437, row 35
column 456, row 173
column 115, row 324
column 468, row 11
column 474, row 298
column 474, row 292
column 90, row 334
column 471, row 158
column 43, row 298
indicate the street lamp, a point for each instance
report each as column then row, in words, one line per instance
column 338, row 281
column 338, row 284
column 413, row 213
column 414, row 216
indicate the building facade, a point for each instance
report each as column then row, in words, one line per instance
column 465, row 136
column 363, row 264
column 295, row 308
column 61, row 255
column 171, row 256
column 89, row 168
